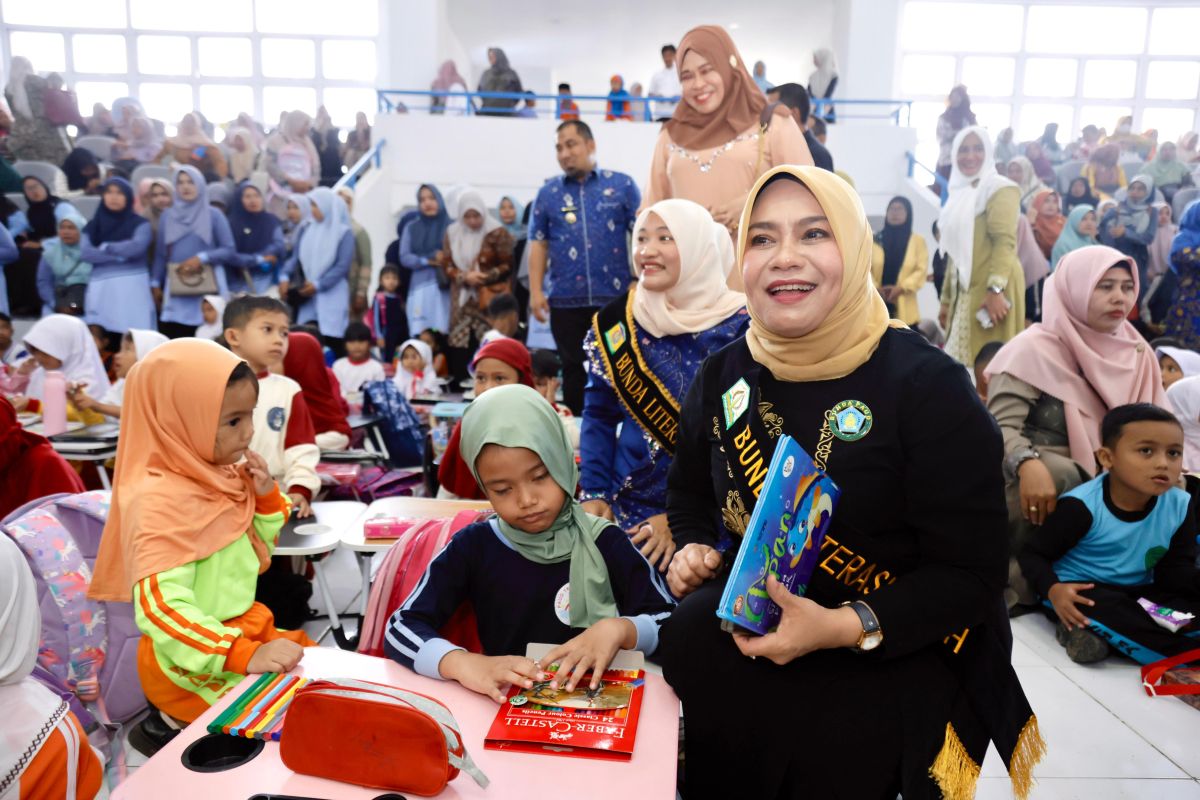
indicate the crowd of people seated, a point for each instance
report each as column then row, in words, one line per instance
column 1033, row 443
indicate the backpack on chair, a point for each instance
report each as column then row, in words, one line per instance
column 401, row 428
column 87, row 647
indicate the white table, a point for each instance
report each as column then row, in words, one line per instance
column 417, row 507
column 320, row 534
column 98, row 452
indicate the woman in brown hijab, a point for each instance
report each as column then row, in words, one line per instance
column 719, row 141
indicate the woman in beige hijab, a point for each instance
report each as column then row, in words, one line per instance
column 913, row 561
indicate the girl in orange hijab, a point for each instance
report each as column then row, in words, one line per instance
column 1048, row 219
column 194, row 518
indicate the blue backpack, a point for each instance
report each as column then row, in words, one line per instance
column 402, row 431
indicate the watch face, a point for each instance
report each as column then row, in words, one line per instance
column 871, row 640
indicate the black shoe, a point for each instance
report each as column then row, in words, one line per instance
column 1083, row 646
column 151, row 734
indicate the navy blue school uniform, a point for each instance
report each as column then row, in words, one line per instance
column 516, row 601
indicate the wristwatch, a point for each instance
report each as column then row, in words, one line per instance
column 996, row 289
column 872, row 635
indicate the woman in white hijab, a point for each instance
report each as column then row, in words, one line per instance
column 479, row 263
column 655, row 337
column 823, row 82
column 62, row 342
column 983, row 297
column 1184, row 397
column 42, row 745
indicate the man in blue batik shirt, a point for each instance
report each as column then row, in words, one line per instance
column 579, row 230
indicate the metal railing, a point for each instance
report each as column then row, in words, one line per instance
column 937, row 179
column 899, row 112
column 369, row 158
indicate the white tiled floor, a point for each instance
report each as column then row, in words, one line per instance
column 1106, row 738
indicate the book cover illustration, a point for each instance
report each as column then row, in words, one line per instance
column 600, row 723
column 783, row 539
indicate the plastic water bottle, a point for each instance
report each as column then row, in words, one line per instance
column 54, row 404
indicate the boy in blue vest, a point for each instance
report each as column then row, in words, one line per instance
column 1126, row 535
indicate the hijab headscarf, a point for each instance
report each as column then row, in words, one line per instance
column 742, row 106
column 1166, row 169
column 1137, row 215
column 1071, row 239
column 120, row 125
column 426, row 234
column 1159, row 251
column 190, row 216
column 1070, row 201
column 41, row 217
column 968, row 198
column 517, row 416
column 241, row 162
column 1188, row 360
column 1188, row 237
column 1049, row 223
column 145, row 206
column 113, row 226
column 1049, row 138
column 171, row 505
column 211, row 330
column 825, row 74
column 894, row 241
column 305, row 364
column 447, row 75
column 515, row 228
column 700, row 298
column 319, row 245
column 1090, row 372
column 1030, row 182
column 1187, row 146
column 618, row 99
column 19, row 69
column 423, row 382
column 68, row 339
column 65, row 260
column 252, row 232
column 453, row 474
column 465, row 243
column 74, row 165
column 1184, row 396
column 143, row 142
column 848, row 336
column 190, row 134
column 961, row 115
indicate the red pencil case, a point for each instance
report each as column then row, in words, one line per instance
column 374, row 735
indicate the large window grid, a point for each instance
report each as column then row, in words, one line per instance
column 250, row 59
column 1031, row 63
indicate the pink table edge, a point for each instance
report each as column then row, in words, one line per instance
column 650, row 774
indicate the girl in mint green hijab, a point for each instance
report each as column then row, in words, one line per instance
column 516, row 416
column 515, row 446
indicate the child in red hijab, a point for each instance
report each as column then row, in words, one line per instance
column 29, row 466
column 305, row 364
column 497, row 363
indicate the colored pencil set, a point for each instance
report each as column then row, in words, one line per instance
column 258, row 713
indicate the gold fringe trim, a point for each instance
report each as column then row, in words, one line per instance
column 954, row 770
column 1031, row 747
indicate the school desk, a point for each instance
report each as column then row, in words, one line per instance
column 317, row 535
column 650, row 775
column 418, row 507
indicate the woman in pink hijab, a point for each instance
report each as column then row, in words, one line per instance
column 1050, row 387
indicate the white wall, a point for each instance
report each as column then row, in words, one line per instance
column 583, row 44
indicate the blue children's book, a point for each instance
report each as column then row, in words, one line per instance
column 783, row 538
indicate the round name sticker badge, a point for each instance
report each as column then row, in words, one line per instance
column 562, row 604
column 852, row 420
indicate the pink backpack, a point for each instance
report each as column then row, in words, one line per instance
column 89, row 647
column 401, row 571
